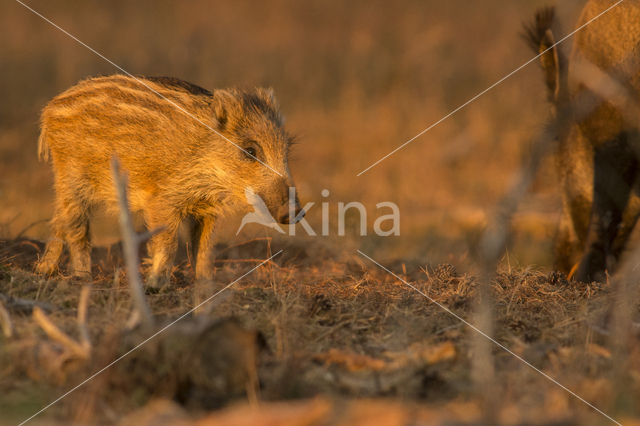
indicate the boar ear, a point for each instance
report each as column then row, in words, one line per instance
column 269, row 96
column 223, row 102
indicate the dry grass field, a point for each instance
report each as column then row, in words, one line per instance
column 319, row 335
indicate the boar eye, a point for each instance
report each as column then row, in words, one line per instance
column 250, row 153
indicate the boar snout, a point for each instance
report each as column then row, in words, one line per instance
column 283, row 203
column 291, row 212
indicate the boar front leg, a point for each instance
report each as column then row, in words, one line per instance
column 615, row 169
column 203, row 240
column 53, row 251
column 162, row 247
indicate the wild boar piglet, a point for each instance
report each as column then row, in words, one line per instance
column 188, row 153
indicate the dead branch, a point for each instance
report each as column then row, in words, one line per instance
column 495, row 236
column 494, row 239
column 82, row 349
column 130, row 242
column 58, row 335
column 243, row 243
column 492, row 246
column 28, row 227
column 624, row 283
column 53, row 359
column 133, row 321
column 607, row 88
column 16, row 304
column 83, row 304
column 141, row 238
column 269, row 262
column 622, row 336
column 5, row 321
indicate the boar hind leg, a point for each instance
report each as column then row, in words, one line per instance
column 203, row 240
column 49, row 262
column 615, row 168
column 71, row 224
column 162, row 248
column 76, row 229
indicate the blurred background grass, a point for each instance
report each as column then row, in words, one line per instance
column 355, row 80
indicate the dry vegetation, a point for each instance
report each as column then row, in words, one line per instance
column 329, row 330
column 336, row 340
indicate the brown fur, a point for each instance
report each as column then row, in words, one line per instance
column 596, row 153
column 177, row 166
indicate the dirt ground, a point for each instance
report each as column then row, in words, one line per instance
column 336, row 343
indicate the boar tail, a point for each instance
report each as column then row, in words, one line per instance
column 43, row 146
column 535, row 33
column 539, row 36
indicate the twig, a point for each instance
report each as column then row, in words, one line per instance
column 133, row 320
column 5, row 321
column 624, row 282
column 130, row 242
column 58, row 335
column 23, row 305
column 495, row 236
column 82, row 318
column 31, row 225
column 606, row 87
column 492, row 245
column 268, row 239
column 141, row 238
column 494, row 239
column 622, row 341
column 270, row 262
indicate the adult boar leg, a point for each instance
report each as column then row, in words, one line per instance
column 615, row 167
column 629, row 220
column 632, row 212
column 565, row 244
column 162, row 248
column 203, row 240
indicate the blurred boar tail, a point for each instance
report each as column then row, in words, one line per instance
column 535, row 32
column 539, row 36
column 43, row 146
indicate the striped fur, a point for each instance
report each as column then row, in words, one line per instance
column 176, row 142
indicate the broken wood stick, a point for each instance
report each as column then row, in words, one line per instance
column 5, row 321
column 130, row 242
column 58, row 335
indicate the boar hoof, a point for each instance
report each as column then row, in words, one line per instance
column 157, row 283
column 82, row 276
column 45, row 268
column 591, row 268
